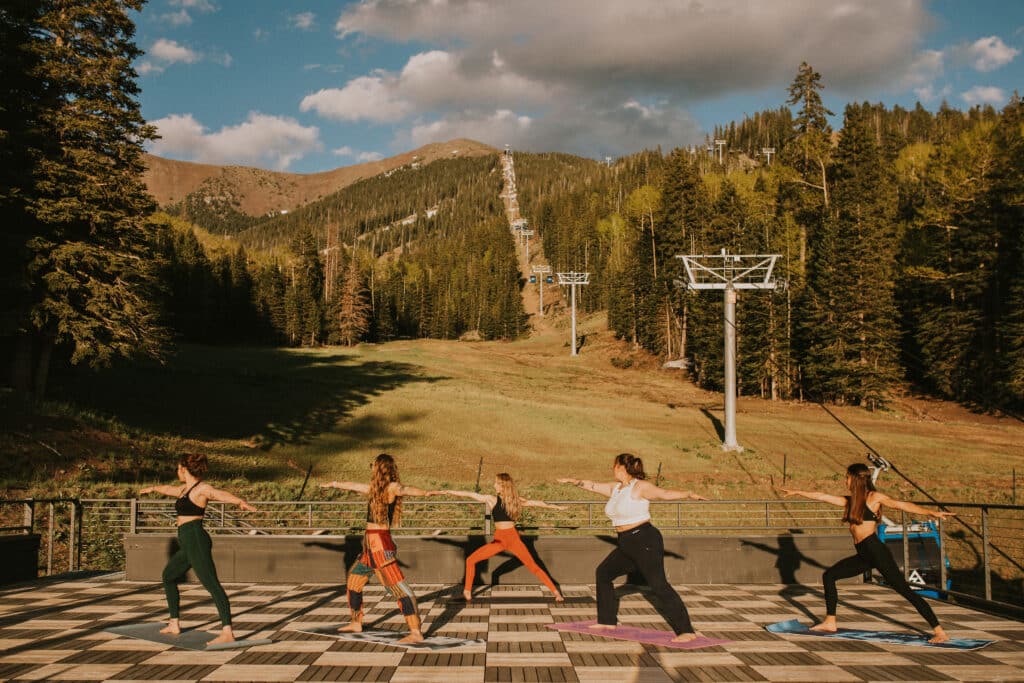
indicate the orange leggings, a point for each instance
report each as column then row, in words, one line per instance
column 506, row 541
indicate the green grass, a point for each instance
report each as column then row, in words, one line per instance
column 525, row 407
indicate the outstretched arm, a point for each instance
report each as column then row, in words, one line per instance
column 652, row 492
column 597, row 487
column 226, row 497
column 403, row 490
column 525, row 502
column 347, row 486
column 478, row 497
column 907, row 506
column 162, row 490
column 815, row 495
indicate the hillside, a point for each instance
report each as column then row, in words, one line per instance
column 441, row 406
column 256, row 192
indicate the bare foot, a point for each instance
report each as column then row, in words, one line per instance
column 226, row 636
column 353, row 627
column 172, row 628
column 559, row 597
column 602, row 627
column 827, row 626
column 939, row 637
column 468, row 596
column 413, row 637
column 686, row 637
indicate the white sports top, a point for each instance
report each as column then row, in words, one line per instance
column 624, row 509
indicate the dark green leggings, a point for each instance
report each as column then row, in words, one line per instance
column 194, row 552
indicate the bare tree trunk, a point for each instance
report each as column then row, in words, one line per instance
column 43, row 367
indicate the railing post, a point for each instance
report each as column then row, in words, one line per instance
column 72, row 525
column 767, row 523
column 28, row 519
column 679, row 515
column 309, row 516
column 942, row 557
column 590, row 515
column 133, row 516
column 222, row 516
column 49, row 542
column 906, row 546
column 984, row 544
column 487, row 523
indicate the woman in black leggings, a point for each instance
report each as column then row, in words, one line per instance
column 862, row 512
column 195, row 546
column 640, row 545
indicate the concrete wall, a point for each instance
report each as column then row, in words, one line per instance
column 441, row 559
column 21, row 557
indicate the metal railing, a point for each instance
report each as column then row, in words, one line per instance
column 983, row 543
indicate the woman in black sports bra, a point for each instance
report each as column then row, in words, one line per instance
column 862, row 511
column 505, row 508
column 194, row 543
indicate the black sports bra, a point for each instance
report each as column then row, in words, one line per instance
column 499, row 513
column 869, row 516
column 391, row 511
column 186, row 508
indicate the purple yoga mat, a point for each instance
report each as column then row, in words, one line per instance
column 639, row 635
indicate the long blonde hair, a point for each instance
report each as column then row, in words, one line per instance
column 860, row 486
column 385, row 472
column 509, row 495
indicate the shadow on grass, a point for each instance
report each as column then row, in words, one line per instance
column 272, row 396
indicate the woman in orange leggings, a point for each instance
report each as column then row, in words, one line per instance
column 505, row 509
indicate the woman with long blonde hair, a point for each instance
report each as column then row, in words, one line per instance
column 505, row 509
column 383, row 511
column 862, row 510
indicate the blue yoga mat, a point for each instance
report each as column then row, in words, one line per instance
column 186, row 640
column 794, row 627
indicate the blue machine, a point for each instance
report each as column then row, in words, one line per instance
column 923, row 541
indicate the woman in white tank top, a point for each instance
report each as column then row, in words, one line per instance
column 640, row 545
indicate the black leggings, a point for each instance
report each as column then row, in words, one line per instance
column 195, row 552
column 872, row 553
column 641, row 549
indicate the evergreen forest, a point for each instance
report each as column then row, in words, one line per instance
column 900, row 238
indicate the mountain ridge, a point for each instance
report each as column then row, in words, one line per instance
column 258, row 192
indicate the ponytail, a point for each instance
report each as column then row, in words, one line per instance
column 634, row 465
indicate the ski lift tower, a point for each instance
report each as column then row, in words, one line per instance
column 540, row 272
column 720, row 144
column 574, row 279
column 730, row 272
column 768, row 152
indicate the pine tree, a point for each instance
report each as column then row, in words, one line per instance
column 852, row 335
column 350, row 314
column 90, row 270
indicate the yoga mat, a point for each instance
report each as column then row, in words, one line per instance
column 640, row 635
column 190, row 639
column 794, row 627
column 392, row 638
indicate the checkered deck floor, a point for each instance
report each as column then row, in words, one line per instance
column 53, row 631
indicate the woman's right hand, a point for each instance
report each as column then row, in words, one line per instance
column 148, row 489
column 568, row 480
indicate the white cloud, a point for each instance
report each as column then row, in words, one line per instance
column 370, row 98
column 171, row 52
column 225, row 59
column 361, row 157
column 276, row 141
column 986, row 54
column 179, row 18
column 929, row 93
column 197, row 5
column 260, row 34
column 984, row 94
column 514, row 72
column 146, row 68
column 303, row 20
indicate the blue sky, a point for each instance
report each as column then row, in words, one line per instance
column 310, row 85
